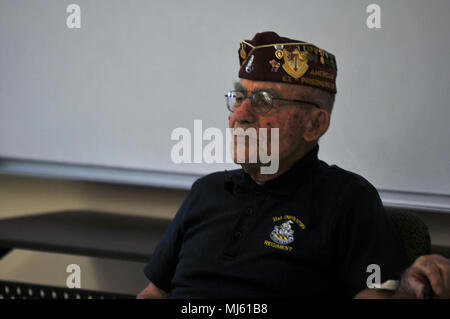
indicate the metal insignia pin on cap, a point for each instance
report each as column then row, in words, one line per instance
column 249, row 67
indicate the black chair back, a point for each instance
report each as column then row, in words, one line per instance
column 413, row 231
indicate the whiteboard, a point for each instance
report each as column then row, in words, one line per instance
column 104, row 99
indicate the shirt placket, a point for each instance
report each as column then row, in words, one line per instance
column 249, row 204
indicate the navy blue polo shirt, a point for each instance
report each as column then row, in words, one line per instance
column 311, row 232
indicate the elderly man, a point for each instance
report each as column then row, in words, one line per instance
column 307, row 230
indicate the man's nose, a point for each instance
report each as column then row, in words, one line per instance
column 244, row 113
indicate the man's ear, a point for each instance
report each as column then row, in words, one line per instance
column 317, row 125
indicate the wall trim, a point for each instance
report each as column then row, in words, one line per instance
column 173, row 180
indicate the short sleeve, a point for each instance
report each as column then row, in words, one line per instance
column 164, row 260
column 367, row 236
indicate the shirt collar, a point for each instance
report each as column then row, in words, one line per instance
column 284, row 184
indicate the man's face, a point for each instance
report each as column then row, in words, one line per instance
column 288, row 117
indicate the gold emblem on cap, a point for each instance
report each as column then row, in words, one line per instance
column 242, row 53
column 295, row 63
column 322, row 60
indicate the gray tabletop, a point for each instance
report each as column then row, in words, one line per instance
column 84, row 232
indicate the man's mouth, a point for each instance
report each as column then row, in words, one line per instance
column 249, row 132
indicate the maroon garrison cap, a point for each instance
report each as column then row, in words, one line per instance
column 269, row 57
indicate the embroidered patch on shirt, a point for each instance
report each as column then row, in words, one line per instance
column 283, row 233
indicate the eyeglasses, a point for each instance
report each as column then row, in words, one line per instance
column 262, row 101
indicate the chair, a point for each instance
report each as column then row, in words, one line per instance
column 413, row 231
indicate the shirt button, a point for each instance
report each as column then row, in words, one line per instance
column 237, row 235
column 249, row 211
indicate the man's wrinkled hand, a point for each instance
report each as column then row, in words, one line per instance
column 434, row 267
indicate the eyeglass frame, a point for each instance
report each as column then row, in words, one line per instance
column 252, row 96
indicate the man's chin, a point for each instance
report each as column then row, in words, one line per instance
column 250, row 166
column 246, row 159
column 253, row 168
